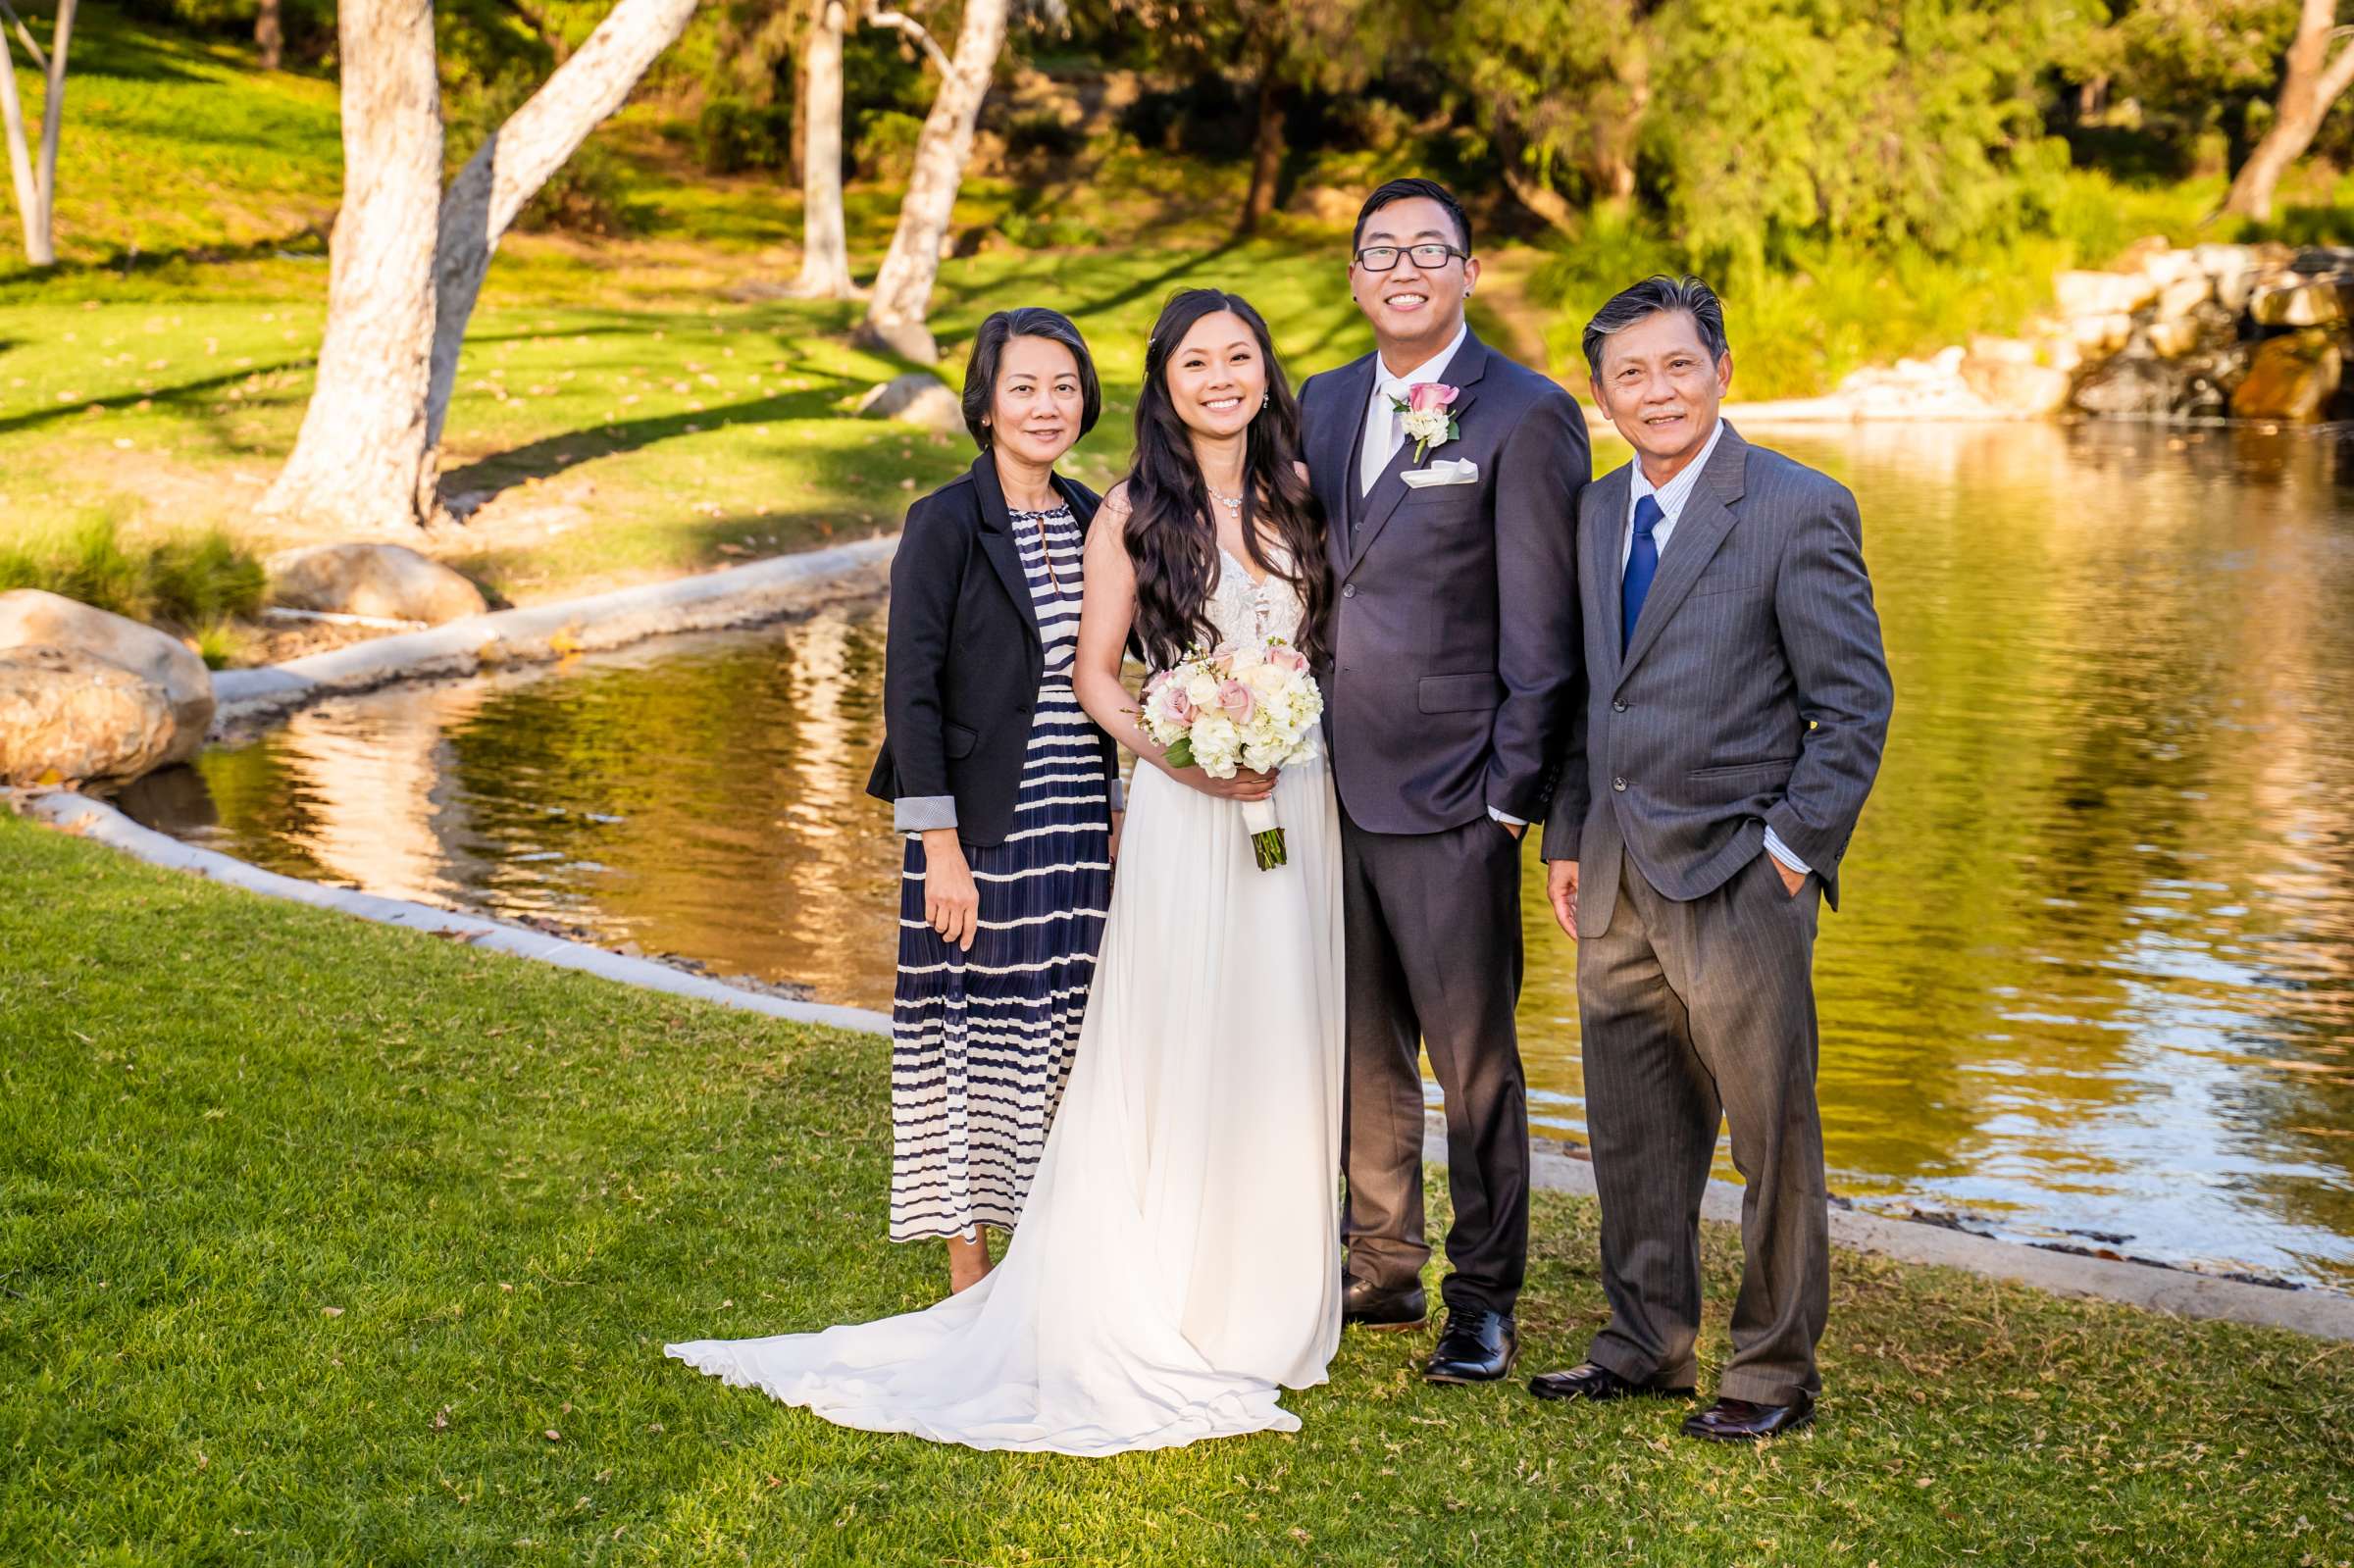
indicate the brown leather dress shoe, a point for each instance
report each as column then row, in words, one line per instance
column 1746, row 1421
column 1370, row 1307
column 1477, row 1347
column 1597, row 1383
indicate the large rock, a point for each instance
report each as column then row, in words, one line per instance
column 2101, row 334
column 31, row 618
column 2003, row 371
column 71, row 718
column 388, row 582
column 2171, row 339
column 917, row 398
column 2183, row 295
column 2080, row 293
column 2132, row 385
column 2291, row 378
column 2301, row 302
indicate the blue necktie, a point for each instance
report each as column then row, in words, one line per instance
column 1642, row 565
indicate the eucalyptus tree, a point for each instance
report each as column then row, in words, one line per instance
column 901, row 298
column 1559, row 88
column 31, row 167
column 2312, row 80
column 408, row 258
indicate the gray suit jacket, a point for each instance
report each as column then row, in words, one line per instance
column 1454, row 643
column 1755, row 690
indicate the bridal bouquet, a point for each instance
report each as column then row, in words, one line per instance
column 1252, row 706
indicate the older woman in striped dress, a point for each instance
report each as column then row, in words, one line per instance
column 1007, row 792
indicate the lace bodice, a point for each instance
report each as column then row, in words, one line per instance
column 1244, row 611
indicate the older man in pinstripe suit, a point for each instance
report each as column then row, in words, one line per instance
column 1737, row 701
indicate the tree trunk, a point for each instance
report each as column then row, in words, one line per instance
column 519, row 156
column 902, row 297
column 270, row 36
column 1619, row 127
column 408, row 260
column 362, row 459
column 824, row 236
column 1540, row 198
column 2309, row 85
column 35, row 170
column 1266, row 152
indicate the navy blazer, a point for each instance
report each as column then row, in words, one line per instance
column 1455, row 668
column 964, row 659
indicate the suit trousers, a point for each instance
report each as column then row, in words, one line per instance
column 1433, row 927
column 1692, row 1014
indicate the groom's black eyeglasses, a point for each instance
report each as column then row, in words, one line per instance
column 1384, row 258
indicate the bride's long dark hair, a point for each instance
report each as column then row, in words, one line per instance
column 1172, row 533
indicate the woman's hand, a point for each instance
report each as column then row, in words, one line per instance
column 1119, row 820
column 1244, row 785
column 951, row 903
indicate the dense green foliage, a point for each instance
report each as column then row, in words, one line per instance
column 326, row 1243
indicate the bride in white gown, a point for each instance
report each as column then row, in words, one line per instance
column 1177, row 1263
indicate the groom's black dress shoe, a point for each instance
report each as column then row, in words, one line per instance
column 1744, row 1421
column 1370, row 1306
column 1477, row 1347
column 1598, row 1384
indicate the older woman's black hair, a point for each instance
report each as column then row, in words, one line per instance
column 989, row 347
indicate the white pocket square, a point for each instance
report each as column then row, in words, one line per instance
column 1445, row 471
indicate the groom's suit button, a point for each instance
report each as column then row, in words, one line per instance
column 1617, row 783
column 1618, row 706
column 1349, row 591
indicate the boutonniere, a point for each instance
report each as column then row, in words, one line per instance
column 1424, row 413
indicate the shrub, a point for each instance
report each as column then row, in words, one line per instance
column 885, row 148
column 1043, row 133
column 732, row 136
column 184, row 581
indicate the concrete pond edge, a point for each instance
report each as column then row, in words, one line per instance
column 2320, row 1313
column 86, row 817
column 733, row 596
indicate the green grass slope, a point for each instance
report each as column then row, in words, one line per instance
column 326, row 1243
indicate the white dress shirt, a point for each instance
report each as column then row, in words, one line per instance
column 1383, row 435
column 1383, row 438
column 1671, row 497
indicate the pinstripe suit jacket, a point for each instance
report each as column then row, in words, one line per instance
column 1754, row 693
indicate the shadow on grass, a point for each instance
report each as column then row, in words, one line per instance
column 550, row 455
column 703, row 544
column 307, row 243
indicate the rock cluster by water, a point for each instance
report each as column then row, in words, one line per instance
column 2244, row 332
column 87, row 697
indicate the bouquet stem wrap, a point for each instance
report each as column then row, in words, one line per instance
column 1267, row 834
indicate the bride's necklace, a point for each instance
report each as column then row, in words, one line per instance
column 1232, row 504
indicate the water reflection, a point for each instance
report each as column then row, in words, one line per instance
column 2094, row 972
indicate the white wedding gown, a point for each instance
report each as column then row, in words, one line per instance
column 1177, row 1262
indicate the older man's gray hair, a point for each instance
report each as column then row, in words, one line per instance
column 1649, row 298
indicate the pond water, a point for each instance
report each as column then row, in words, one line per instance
column 2094, row 981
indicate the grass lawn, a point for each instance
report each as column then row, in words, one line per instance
column 326, row 1243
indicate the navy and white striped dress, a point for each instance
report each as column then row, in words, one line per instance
column 981, row 1041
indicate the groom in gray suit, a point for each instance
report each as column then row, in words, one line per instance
column 1737, row 702
column 1452, row 690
